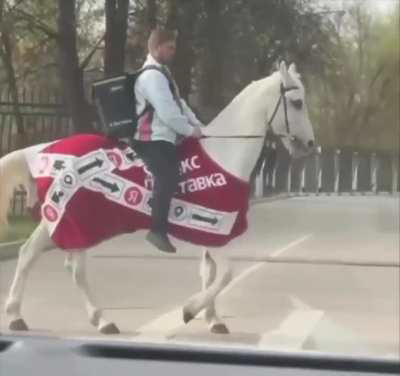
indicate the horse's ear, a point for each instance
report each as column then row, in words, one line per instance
column 284, row 72
column 293, row 68
column 283, row 67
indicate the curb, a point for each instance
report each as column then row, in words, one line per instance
column 262, row 200
column 10, row 250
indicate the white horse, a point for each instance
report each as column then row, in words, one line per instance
column 275, row 103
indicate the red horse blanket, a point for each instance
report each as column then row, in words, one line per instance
column 91, row 188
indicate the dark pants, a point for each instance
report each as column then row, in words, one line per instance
column 162, row 160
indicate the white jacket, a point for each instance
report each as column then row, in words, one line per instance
column 167, row 120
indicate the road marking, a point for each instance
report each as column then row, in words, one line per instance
column 291, row 245
column 243, row 275
column 163, row 327
column 294, row 330
column 167, row 325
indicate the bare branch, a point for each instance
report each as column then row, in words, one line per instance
column 37, row 24
column 139, row 4
column 16, row 5
column 379, row 71
column 87, row 59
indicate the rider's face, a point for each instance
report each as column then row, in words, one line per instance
column 166, row 52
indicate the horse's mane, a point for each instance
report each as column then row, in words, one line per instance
column 242, row 98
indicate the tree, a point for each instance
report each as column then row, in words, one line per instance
column 116, row 12
column 212, row 54
column 70, row 71
column 354, row 100
column 6, row 56
column 69, row 29
column 181, row 16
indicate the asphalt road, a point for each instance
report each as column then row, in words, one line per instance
column 311, row 274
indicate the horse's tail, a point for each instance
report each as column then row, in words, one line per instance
column 14, row 171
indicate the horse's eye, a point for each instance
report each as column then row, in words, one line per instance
column 297, row 103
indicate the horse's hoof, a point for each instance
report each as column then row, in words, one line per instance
column 18, row 325
column 95, row 319
column 110, row 328
column 187, row 316
column 219, row 328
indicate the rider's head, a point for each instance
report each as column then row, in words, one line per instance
column 162, row 45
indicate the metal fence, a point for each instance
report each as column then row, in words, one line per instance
column 330, row 171
column 40, row 116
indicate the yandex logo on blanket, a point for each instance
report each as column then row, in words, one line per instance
column 115, row 158
column 50, row 213
column 133, row 196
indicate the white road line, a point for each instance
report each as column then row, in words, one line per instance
column 279, row 252
column 167, row 325
column 259, row 265
column 294, row 330
column 163, row 327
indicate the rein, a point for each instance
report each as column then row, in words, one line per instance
column 270, row 132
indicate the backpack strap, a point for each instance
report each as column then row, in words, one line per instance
column 168, row 77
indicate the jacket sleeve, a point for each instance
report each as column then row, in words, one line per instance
column 157, row 92
column 190, row 114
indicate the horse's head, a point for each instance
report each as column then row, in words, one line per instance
column 288, row 115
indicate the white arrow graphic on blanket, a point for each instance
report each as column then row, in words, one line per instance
column 112, row 187
column 93, row 164
column 213, row 220
column 109, row 184
column 96, row 163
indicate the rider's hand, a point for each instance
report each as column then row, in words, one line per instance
column 197, row 133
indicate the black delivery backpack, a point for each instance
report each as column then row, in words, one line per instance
column 115, row 102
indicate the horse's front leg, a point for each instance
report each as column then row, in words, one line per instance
column 205, row 298
column 76, row 264
column 208, row 273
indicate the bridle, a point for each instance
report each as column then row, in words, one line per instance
column 270, row 133
column 282, row 99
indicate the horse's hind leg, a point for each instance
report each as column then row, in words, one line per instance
column 28, row 254
column 76, row 263
column 208, row 273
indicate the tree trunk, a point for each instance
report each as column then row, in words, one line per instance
column 151, row 14
column 7, row 59
column 211, row 82
column 71, row 73
column 115, row 38
column 181, row 17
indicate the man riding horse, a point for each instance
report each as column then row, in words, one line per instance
column 163, row 117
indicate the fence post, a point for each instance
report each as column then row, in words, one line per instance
column 374, row 173
column 318, row 169
column 259, row 184
column 336, row 162
column 303, row 179
column 289, row 178
column 354, row 171
column 273, row 170
column 395, row 174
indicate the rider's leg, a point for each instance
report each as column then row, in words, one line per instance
column 162, row 160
